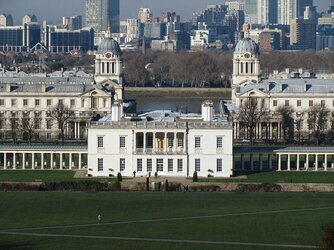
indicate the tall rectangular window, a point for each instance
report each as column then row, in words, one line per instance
column 37, row 102
column 139, row 165
column 72, row 103
column 160, row 165
column 122, row 141
column 274, row 103
column 48, row 102
column 100, row 142
column 149, row 165
column 286, row 102
column 323, row 103
column 14, row 102
column 197, row 165
column 122, row 164
column 179, row 165
column 197, row 142
column 100, row 164
column 310, row 103
column 2, row 102
column 170, row 165
column 299, row 103
column 219, row 165
column 25, row 102
column 219, row 142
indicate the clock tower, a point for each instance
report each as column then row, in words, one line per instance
column 108, row 61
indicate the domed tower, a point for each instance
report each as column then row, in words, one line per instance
column 246, row 64
column 108, row 62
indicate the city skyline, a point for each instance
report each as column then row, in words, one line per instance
column 54, row 10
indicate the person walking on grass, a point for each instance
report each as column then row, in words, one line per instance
column 99, row 219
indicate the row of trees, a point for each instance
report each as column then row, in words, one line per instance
column 28, row 123
column 318, row 119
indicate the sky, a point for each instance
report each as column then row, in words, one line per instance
column 54, row 10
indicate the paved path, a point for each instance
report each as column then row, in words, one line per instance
column 164, row 240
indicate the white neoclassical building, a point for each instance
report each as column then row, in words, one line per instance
column 162, row 142
column 35, row 95
column 299, row 90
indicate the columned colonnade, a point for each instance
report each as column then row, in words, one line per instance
column 263, row 130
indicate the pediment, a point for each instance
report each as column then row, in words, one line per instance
column 109, row 83
column 96, row 92
column 254, row 92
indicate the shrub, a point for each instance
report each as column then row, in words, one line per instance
column 328, row 236
column 147, row 184
column 75, row 186
column 195, row 177
column 119, row 177
column 166, row 186
column 263, row 187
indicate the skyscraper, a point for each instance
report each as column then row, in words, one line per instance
column 101, row 13
column 267, row 11
column 291, row 9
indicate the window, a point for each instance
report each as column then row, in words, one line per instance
column 332, row 103
column 274, row 103
column 170, row 165
column 179, row 165
column 219, row 165
column 197, row 165
column 13, row 102
column 170, row 142
column 82, row 103
column 160, row 165
column 105, row 103
column 48, row 102
column 197, row 142
column 48, row 135
column 2, row 102
column 60, row 102
column 122, row 164
column 37, row 102
column 220, row 142
column 72, row 103
column 100, row 142
column 149, row 165
column 180, row 142
column 323, row 103
column 122, row 141
column 139, row 165
column 286, row 103
column 299, row 103
column 310, row 103
column 48, row 124
column 25, row 102
column 100, row 164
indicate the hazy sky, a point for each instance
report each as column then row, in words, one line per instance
column 55, row 9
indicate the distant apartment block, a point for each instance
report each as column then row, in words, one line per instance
column 6, row 20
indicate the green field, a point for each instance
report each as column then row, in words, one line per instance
column 33, row 175
column 163, row 220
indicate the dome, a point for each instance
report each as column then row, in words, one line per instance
column 246, row 45
column 109, row 45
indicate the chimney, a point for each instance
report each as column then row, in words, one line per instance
column 287, row 70
column 43, row 88
column 207, row 111
column 116, row 111
column 8, row 87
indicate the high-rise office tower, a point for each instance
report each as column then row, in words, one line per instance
column 267, row 11
column 6, row 20
column 291, row 9
column 301, row 5
column 102, row 13
column 144, row 15
column 29, row 18
column 250, row 11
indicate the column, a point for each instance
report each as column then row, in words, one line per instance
column 4, row 160
column 306, row 162
column 78, row 129
column 51, row 160
column 279, row 163
column 70, row 160
column 325, row 163
column 79, row 165
column 271, row 130
column 144, row 142
column 165, row 143
column 297, row 163
column 261, row 163
column 134, row 142
column 42, row 160
column 33, row 161
column 175, row 142
column 184, row 142
column 242, row 162
column 61, row 161
column 289, row 167
column 75, row 130
column 316, row 162
column 270, row 161
column 260, row 130
column 23, row 160
column 154, row 142
column 14, row 160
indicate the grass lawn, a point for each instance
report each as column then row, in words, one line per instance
column 280, row 177
column 264, row 218
column 33, row 175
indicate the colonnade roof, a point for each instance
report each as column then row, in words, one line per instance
column 42, row 148
column 305, row 150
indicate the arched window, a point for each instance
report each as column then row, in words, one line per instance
column 94, row 100
column 102, row 67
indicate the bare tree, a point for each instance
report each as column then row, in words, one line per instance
column 28, row 124
column 62, row 115
column 286, row 117
column 14, row 125
column 317, row 121
column 250, row 113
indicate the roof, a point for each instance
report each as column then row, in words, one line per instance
column 246, row 45
column 109, row 45
column 56, row 148
column 303, row 150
